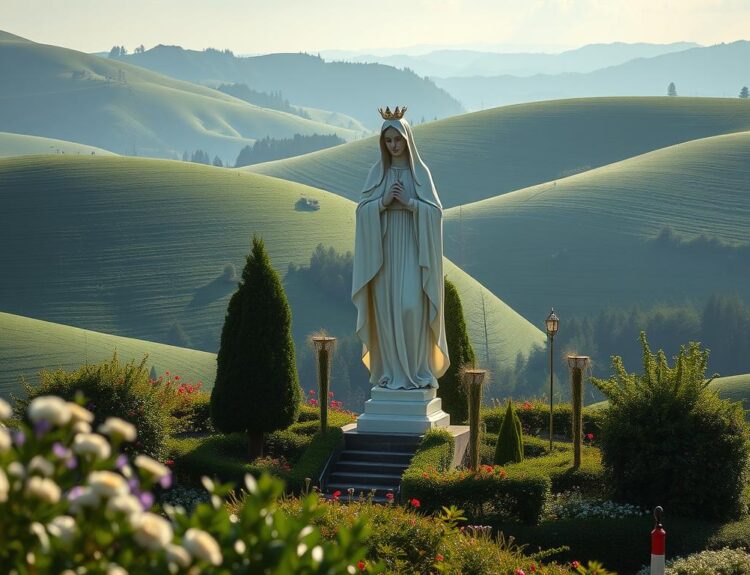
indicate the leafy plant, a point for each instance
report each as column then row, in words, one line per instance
column 510, row 439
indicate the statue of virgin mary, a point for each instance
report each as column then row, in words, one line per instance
column 397, row 283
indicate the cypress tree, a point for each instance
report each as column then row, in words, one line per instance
column 509, row 447
column 451, row 390
column 257, row 387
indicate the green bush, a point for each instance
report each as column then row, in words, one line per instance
column 490, row 492
column 721, row 562
column 589, row 478
column 194, row 416
column 510, row 439
column 111, row 389
column 668, row 440
column 534, row 417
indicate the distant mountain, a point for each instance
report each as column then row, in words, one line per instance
column 450, row 63
column 719, row 70
column 305, row 80
column 68, row 95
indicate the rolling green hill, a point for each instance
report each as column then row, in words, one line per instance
column 130, row 246
column 589, row 241
column 483, row 154
column 28, row 346
column 21, row 145
column 65, row 94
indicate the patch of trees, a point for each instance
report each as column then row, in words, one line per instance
column 703, row 245
column 118, row 51
column 201, row 157
column 225, row 52
column 744, row 93
column 273, row 100
column 269, row 148
column 671, row 89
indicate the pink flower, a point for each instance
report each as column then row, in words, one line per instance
column 590, row 436
column 575, row 564
column 439, row 557
column 311, row 392
column 389, row 496
column 520, row 571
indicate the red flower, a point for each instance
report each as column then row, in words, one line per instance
column 415, row 503
column 336, row 494
column 166, row 373
column 176, row 377
column 533, row 568
column 439, row 557
column 311, row 392
column 590, row 436
column 169, row 462
column 313, row 402
column 389, row 496
column 330, row 394
column 520, row 571
column 526, row 405
column 361, row 565
column 575, row 564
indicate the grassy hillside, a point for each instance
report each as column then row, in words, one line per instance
column 28, row 346
column 588, row 241
column 65, row 94
column 130, row 246
column 484, row 154
column 22, row 144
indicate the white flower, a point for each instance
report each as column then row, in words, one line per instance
column 317, row 554
column 84, row 497
column 107, row 483
column 63, row 527
column 4, row 486
column 38, row 463
column 151, row 466
column 79, row 413
column 38, row 529
column 81, row 427
column 178, row 555
column 91, row 444
column 113, row 569
column 49, row 408
column 15, row 468
column 116, row 427
column 5, row 410
column 153, row 532
column 127, row 504
column 4, row 440
column 43, row 489
column 203, row 546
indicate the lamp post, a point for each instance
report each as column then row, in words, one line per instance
column 577, row 363
column 551, row 323
column 473, row 379
column 324, row 347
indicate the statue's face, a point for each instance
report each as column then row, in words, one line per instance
column 395, row 142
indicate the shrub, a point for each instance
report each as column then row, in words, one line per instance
column 70, row 502
column 489, row 492
column 257, row 389
column 510, row 439
column 669, row 440
column 722, row 562
column 451, row 389
column 113, row 389
column 534, row 417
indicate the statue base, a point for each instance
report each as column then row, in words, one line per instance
column 411, row 411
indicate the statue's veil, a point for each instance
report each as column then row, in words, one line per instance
column 420, row 172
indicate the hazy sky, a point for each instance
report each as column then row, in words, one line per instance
column 251, row 26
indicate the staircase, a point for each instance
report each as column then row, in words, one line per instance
column 370, row 463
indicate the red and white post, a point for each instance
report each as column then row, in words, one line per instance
column 658, row 545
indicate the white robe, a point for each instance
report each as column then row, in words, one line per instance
column 398, row 288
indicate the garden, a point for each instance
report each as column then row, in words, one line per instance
column 114, row 469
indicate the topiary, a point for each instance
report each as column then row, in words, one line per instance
column 451, row 390
column 510, row 440
column 257, row 387
column 668, row 440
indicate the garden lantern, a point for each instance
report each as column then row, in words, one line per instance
column 473, row 380
column 551, row 323
column 324, row 346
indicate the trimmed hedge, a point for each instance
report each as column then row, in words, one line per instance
column 491, row 492
column 534, row 416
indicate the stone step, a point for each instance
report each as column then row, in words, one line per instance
column 381, row 442
column 350, row 479
column 356, row 466
column 395, row 457
column 363, row 488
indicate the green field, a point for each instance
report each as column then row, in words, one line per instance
column 128, row 246
column 484, row 154
column 28, row 345
column 23, row 145
column 61, row 93
column 587, row 241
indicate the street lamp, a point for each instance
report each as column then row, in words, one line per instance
column 551, row 323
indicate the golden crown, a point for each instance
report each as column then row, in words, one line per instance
column 397, row 114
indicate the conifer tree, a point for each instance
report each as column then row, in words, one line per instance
column 451, row 390
column 257, row 387
column 509, row 447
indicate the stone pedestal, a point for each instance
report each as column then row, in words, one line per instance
column 411, row 411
